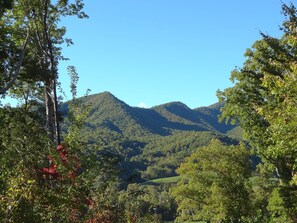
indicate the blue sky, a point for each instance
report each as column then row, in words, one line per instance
column 158, row 51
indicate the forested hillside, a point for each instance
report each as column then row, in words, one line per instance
column 95, row 159
column 108, row 112
column 151, row 142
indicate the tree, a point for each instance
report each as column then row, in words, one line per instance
column 23, row 148
column 12, row 53
column 263, row 101
column 144, row 203
column 71, row 183
column 37, row 21
column 214, row 184
column 40, row 189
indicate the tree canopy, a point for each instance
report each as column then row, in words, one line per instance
column 263, row 101
column 214, row 184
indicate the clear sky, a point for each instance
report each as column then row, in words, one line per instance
column 158, row 51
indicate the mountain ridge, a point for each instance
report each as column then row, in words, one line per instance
column 151, row 141
column 107, row 111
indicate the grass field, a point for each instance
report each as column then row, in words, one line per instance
column 165, row 180
column 185, row 222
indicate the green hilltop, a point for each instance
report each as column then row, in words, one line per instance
column 108, row 112
column 151, row 142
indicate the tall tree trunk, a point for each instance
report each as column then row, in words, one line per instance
column 49, row 110
column 56, row 113
column 54, row 121
column 51, row 105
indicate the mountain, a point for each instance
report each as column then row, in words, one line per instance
column 151, row 142
column 210, row 114
column 108, row 112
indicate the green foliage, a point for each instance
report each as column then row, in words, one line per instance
column 71, row 186
column 235, row 133
column 27, row 194
column 276, row 207
column 23, row 148
column 105, row 138
column 164, row 154
column 263, row 101
column 150, row 141
column 97, row 182
column 214, row 184
column 147, row 203
column 108, row 112
column 37, row 22
column 31, row 49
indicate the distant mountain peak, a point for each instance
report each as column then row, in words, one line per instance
column 172, row 104
column 215, row 106
column 105, row 97
column 106, row 93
